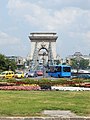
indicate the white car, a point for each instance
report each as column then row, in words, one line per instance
column 31, row 74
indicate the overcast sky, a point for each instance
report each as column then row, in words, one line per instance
column 70, row 19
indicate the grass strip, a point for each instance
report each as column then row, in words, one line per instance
column 32, row 103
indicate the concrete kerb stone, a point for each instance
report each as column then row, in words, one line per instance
column 51, row 115
column 44, row 118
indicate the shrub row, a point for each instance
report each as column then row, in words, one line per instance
column 43, row 81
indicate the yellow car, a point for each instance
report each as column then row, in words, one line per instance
column 19, row 75
column 7, row 74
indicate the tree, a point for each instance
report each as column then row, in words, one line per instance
column 74, row 63
column 81, row 64
column 84, row 64
column 6, row 64
column 2, row 62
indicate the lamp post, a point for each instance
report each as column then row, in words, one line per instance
column 9, row 67
column 44, row 53
column 48, row 62
column 37, row 61
column 77, row 67
column 78, row 58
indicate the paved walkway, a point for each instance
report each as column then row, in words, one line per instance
column 70, row 88
column 59, row 113
column 51, row 115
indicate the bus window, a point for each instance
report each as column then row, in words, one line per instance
column 51, row 69
column 58, row 68
column 66, row 69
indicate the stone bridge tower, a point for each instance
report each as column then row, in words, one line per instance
column 43, row 47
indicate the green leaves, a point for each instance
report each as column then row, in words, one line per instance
column 81, row 64
column 6, row 64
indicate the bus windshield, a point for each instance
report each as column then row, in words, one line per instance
column 66, row 69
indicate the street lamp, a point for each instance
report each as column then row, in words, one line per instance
column 78, row 58
column 77, row 67
column 48, row 62
column 44, row 53
column 9, row 67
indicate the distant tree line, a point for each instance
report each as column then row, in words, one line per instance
column 81, row 64
column 7, row 64
column 77, row 64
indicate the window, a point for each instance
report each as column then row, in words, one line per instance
column 58, row 69
column 66, row 69
column 51, row 69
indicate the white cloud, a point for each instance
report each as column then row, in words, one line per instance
column 59, row 4
column 49, row 19
column 6, row 39
column 68, row 17
column 11, row 45
column 87, row 37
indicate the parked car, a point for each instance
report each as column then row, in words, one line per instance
column 85, row 76
column 39, row 72
column 74, row 77
column 7, row 74
column 19, row 75
column 31, row 73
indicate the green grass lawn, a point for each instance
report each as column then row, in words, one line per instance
column 31, row 103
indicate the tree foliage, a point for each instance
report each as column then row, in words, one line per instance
column 6, row 64
column 82, row 64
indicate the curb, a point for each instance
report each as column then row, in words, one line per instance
column 44, row 118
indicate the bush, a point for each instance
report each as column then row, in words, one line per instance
column 45, row 87
column 13, row 80
column 44, row 81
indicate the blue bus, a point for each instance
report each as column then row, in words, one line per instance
column 59, row 71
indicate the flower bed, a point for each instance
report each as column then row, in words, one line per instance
column 23, row 87
column 42, row 84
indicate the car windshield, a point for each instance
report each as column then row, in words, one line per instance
column 19, row 73
column 32, row 71
column 39, row 71
column 3, row 73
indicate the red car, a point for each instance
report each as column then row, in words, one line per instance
column 39, row 72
